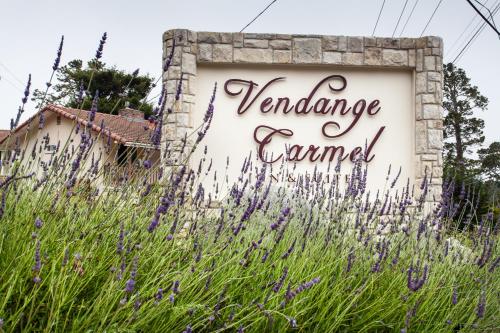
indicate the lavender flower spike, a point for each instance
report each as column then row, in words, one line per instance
column 58, row 57
column 38, row 223
column 98, row 54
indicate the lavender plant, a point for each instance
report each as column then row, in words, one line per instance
column 266, row 257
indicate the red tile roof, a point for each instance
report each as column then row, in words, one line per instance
column 122, row 129
column 4, row 134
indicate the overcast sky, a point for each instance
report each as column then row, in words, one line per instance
column 30, row 31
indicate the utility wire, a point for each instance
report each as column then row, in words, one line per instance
column 455, row 44
column 3, row 78
column 471, row 40
column 409, row 16
column 378, row 17
column 256, row 17
column 489, row 11
column 399, row 19
column 430, row 18
column 492, row 25
column 12, row 74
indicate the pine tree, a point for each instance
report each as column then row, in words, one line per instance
column 463, row 132
column 116, row 87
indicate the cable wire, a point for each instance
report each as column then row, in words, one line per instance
column 12, row 74
column 473, row 38
column 492, row 25
column 378, row 18
column 474, row 18
column 430, row 18
column 399, row 19
column 258, row 15
column 409, row 16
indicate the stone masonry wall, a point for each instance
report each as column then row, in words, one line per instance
column 422, row 55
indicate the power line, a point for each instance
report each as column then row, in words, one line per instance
column 12, row 74
column 3, row 78
column 430, row 18
column 474, row 17
column 399, row 19
column 471, row 40
column 409, row 16
column 378, row 17
column 492, row 25
column 256, row 17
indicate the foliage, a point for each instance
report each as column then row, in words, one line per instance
column 116, row 88
column 490, row 161
column 463, row 131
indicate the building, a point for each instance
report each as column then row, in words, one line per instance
column 120, row 144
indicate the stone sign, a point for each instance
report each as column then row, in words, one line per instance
column 311, row 101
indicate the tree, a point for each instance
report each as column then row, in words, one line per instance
column 490, row 161
column 462, row 131
column 116, row 87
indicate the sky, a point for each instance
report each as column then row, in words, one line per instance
column 30, row 31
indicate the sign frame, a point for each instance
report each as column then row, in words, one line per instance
column 423, row 57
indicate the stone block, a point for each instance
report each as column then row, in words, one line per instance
column 306, row 50
column 394, row 57
column 435, row 138
column 429, row 63
column 407, row 43
column 189, row 63
column 247, row 55
column 342, row 43
column 281, row 44
column 350, row 58
column 355, row 44
column 332, row 57
column 209, row 37
column 330, row 43
column 257, row 43
column 205, row 52
column 432, row 111
column 282, row 56
column 370, row 41
column 223, row 53
column 373, row 56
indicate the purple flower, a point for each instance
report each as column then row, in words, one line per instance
column 58, row 57
column 188, row 329
column 289, row 251
column 159, row 295
column 26, row 91
column 147, row 164
column 98, row 54
column 350, row 259
column 38, row 223
column 93, row 109
column 175, row 287
column 284, row 213
column 179, row 88
column 121, row 236
column 481, row 306
column 38, row 263
column 302, row 287
column 279, row 283
column 130, row 284
column 396, row 179
column 454, row 297
column 416, row 283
